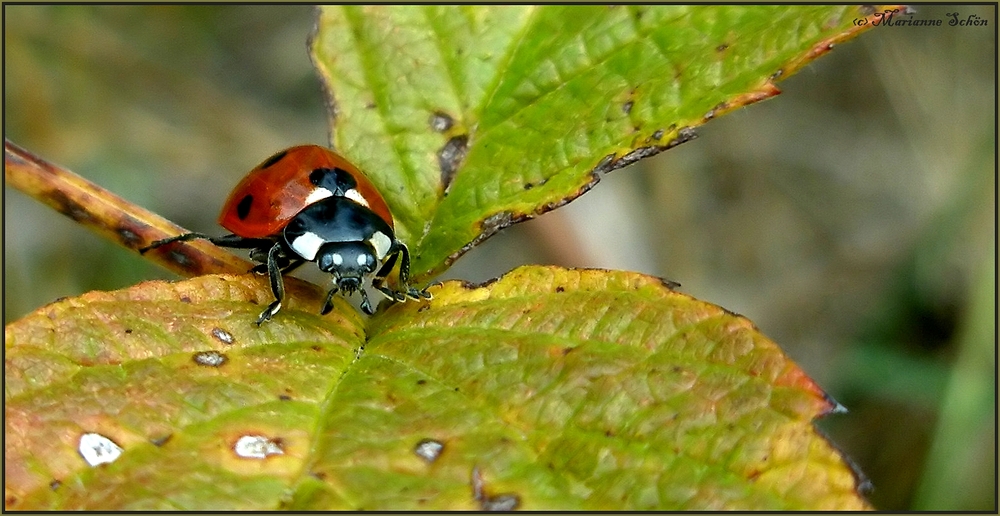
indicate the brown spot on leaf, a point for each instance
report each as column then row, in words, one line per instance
column 222, row 336
column 69, row 207
column 441, row 121
column 210, row 358
column 450, row 157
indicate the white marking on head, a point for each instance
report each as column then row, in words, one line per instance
column 354, row 195
column 381, row 242
column 318, row 194
column 362, row 259
column 307, row 245
column 337, row 259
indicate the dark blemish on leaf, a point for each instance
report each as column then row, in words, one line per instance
column 423, row 308
column 685, row 135
column 668, row 283
column 319, row 475
column 69, row 207
column 609, row 433
column 722, row 47
column 567, row 350
column 776, row 75
column 658, row 134
column 160, row 441
column 210, row 358
column 222, row 336
column 636, row 155
column 128, row 331
column 560, row 288
column 498, row 221
column 528, row 186
column 55, row 484
column 284, row 397
column 500, row 502
column 637, row 14
column 676, row 369
column 450, row 157
column 718, row 107
column 421, row 381
column 370, row 105
column 429, row 450
column 627, row 107
column 731, row 313
column 127, row 234
column 441, row 121
column 316, row 347
column 273, row 159
column 636, row 128
column 604, row 166
column 185, row 299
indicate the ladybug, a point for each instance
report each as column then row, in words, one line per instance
column 309, row 204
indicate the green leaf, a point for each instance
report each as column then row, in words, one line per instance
column 472, row 118
column 548, row 389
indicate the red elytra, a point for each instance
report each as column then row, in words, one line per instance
column 263, row 203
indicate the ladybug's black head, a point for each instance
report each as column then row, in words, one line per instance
column 350, row 262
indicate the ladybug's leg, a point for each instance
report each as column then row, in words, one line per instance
column 380, row 276
column 285, row 268
column 366, row 305
column 328, row 302
column 404, row 277
column 277, row 285
column 231, row 241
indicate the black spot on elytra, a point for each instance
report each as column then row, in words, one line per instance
column 336, row 180
column 243, row 208
column 272, row 160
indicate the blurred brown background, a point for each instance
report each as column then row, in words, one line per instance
column 853, row 217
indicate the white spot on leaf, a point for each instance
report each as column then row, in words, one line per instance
column 97, row 449
column 209, row 358
column 257, row 447
column 429, row 449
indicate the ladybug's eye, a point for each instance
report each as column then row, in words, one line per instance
column 243, row 208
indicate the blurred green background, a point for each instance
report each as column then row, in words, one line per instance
column 852, row 218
